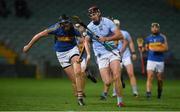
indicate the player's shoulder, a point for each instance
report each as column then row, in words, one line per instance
column 124, row 31
column 53, row 27
column 148, row 37
column 90, row 24
column 105, row 19
column 162, row 35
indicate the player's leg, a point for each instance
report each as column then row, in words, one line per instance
column 150, row 73
column 83, row 68
column 63, row 59
column 103, row 64
column 70, row 73
column 160, row 84
column 122, row 81
column 106, row 78
column 116, row 72
column 130, row 71
column 79, row 78
column 160, row 73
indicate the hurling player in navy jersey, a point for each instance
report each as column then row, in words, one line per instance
column 66, row 50
column 155, row 44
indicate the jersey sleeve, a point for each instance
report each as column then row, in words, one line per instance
column 127, row 36
column 111, row 25
column 52, row 29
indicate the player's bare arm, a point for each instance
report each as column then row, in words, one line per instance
column 124, row 45
column 131, row 46
column 117, row 36
column 86, row 45
column 34, row 40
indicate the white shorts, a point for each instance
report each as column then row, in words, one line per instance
column 155, row 66
column 104, row 60
column 126, row 61
column 65, row 57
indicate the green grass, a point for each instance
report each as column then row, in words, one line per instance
column 56, row 94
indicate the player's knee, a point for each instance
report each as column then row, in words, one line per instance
column 116, row 77
column 108, row 83
column 150, row 78
column 78, row 74
column 131, row 75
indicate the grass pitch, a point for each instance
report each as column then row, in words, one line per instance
column 56, row 94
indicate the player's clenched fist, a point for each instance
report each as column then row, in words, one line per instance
column 26, row 48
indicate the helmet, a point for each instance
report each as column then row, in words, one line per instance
column 64, row 19
column 116, row 22
column 155, row 25
column 93, row 9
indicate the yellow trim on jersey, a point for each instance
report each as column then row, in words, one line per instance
column 64, row 39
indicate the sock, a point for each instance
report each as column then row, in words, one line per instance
column 80, row 95
column 114, row 91
column 119, row 100
column 148, row 94
column 134, row 88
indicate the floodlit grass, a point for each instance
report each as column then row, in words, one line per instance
column 56, row 94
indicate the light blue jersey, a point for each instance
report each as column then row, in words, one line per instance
column 105, row 29
column 127, row 52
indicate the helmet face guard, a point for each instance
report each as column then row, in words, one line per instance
column 93, row 11
column 65, row 22
column 64, row 19
column 155, row 28
column 155, row 25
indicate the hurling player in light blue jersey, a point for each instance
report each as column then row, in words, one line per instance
column 156, row 44
column 107, row 61
column 127, row 50
column 66, row 50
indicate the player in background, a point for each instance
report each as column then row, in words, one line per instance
column 107, row 61
column 127, row 50
column 155, row 44
column 66, row 50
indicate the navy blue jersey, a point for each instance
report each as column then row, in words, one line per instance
column 155, row 39
column 64, row 40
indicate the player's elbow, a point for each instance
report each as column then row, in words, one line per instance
column 120, row 35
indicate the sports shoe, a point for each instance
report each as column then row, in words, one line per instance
column 114, row 95
column 159, row 93
column 121, row 104
column 90, row 76
column 148, row 95
column 81, row 102
column 103, row 97
column 135, row 95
